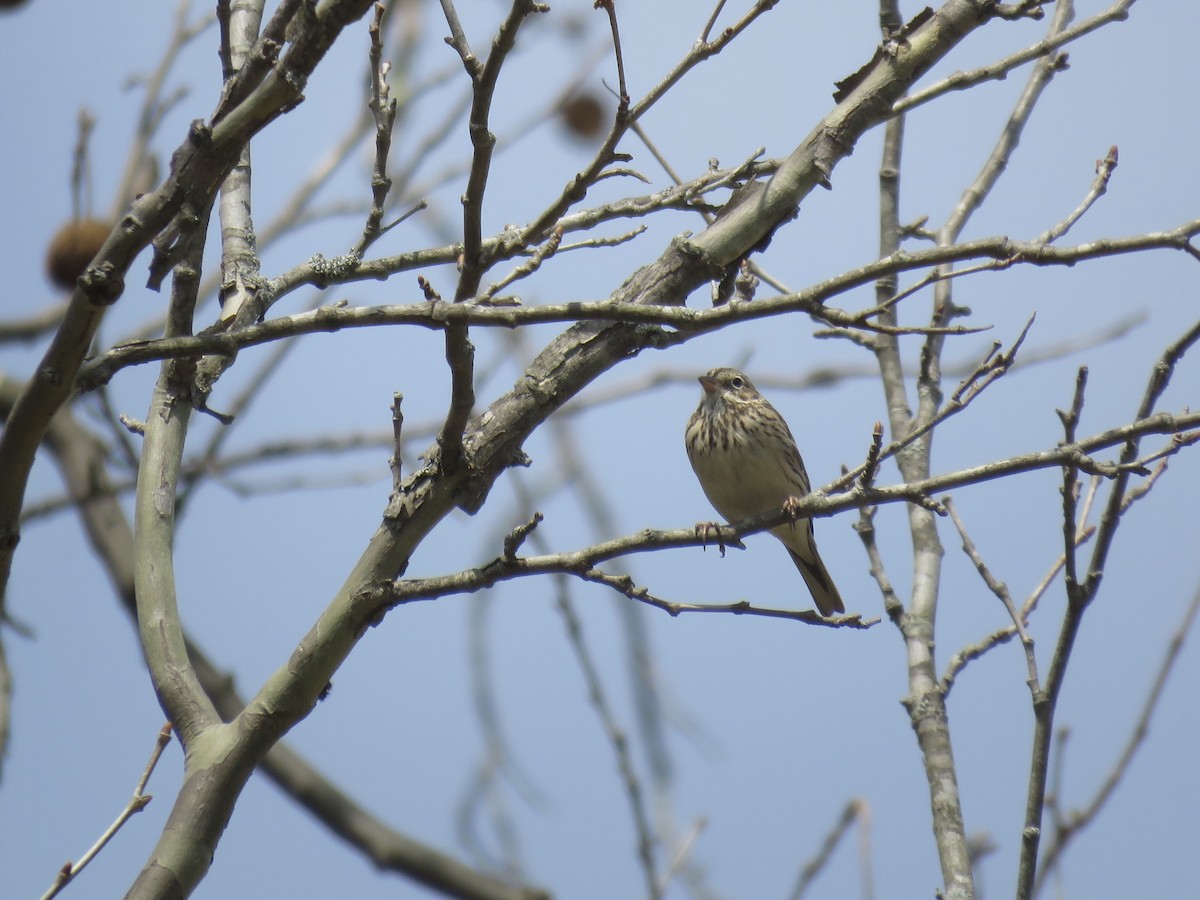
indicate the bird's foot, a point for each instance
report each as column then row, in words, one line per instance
column 791, row 507
column 704, row 529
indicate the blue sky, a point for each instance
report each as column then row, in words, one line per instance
column 772, row 726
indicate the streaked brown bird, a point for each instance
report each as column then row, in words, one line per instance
column 747, row 461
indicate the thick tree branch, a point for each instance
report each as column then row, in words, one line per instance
column 161, row 631
column 198, row 168
column 583, row 352
column 925, row 702
column 80, row 457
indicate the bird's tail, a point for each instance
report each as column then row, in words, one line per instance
column 820, row 584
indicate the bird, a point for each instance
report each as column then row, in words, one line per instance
column 747, row 462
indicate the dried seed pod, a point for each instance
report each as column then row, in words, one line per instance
column 583, row 116
column 72, row 248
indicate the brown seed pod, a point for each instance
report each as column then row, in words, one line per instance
column 72, row 248
column 583, row 116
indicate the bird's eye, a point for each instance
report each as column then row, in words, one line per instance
column 738, row 383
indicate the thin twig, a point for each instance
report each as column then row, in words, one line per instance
column 616, row 739
column 865, row 529
column 1080, row 594
column 391, row 594
column 999, row 70
column 986, row 372
column 395, row 461
column 627, row 113
column 712, row 20
column 682, row 853
column 812, row 868
column 1160, row 377
column 81, row 169
column 1000, row 590
column 1104, row 170
column 383, row 112
column 154, row 107
column 207, row 461
column 34, row 326
column 136, row 804
column 1078, row 820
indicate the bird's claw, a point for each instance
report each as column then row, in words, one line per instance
column 703, row 529
column 791, row 507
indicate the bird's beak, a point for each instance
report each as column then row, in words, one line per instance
column 709, row 384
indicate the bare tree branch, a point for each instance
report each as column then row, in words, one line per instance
column 254, row 99
column 136, row 804
column 443, row 315
column 1080, row 593
column 1080, row 819
column 851, row 813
